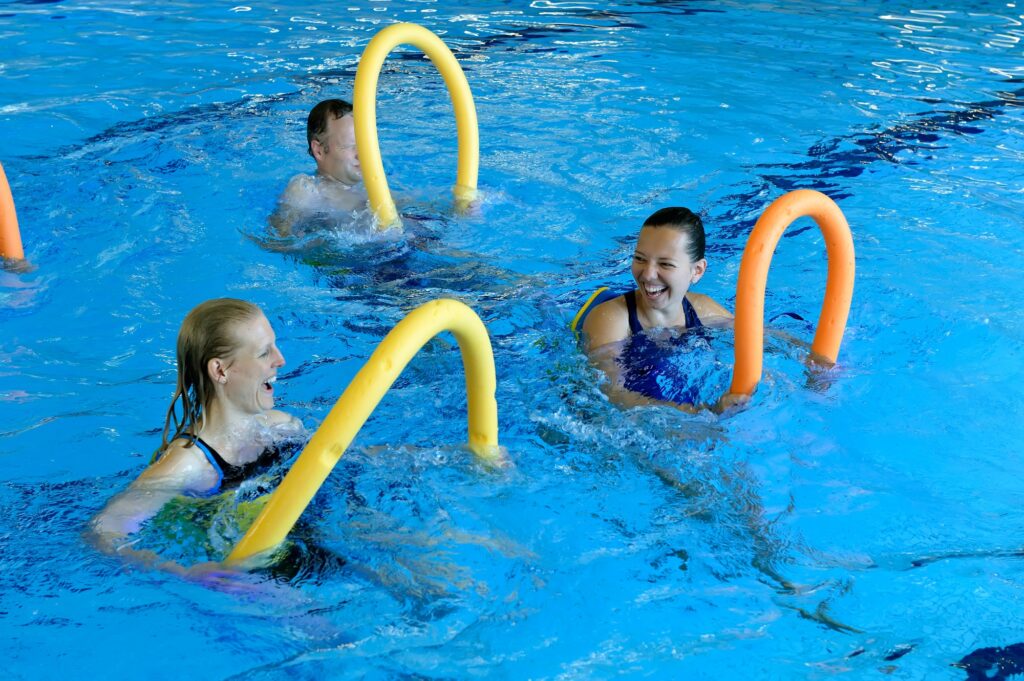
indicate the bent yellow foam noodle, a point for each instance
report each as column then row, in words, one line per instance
column 364, row 105
column 358, row 401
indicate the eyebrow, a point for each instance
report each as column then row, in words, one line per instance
column 637, row 252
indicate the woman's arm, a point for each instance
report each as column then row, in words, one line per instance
column 606, row 324
column 607, row 360
column 181, row 469
column 605, row 329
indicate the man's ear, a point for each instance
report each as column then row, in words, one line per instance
column 317, row 148
column 699, row 268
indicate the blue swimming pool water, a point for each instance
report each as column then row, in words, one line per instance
column 860, row 522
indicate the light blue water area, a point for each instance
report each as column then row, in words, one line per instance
column 860, row 521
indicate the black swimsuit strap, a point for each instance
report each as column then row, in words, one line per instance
column 221, row 463
column 235, row 474
column 215, row 461
column 230, row 474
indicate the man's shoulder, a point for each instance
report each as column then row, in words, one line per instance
column 302, row 190
column 300, row 185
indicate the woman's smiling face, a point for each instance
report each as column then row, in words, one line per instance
column 662, row 267
column 252, row 370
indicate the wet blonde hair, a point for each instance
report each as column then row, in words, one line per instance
column 207, row 332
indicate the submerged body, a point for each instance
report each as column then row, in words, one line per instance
column 645, row 358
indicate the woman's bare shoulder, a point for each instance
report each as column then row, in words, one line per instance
column 707, row 309
column 606, row 323
column 283, row 425
column 181, row 464
column 276, row 417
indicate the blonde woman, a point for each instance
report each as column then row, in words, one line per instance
column 221, row 426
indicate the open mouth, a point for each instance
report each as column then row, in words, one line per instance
column 653, row 290
column 268, row 385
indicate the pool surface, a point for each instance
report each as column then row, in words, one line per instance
column 854, row 523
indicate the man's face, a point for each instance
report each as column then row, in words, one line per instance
column 335, row 152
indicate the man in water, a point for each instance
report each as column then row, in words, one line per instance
column 337, row 186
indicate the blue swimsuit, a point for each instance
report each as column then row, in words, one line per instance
column 229, row 475
column 647, row 364
column 692, row 320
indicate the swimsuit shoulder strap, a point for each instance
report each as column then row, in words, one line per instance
column 635, row 327
column 634, row 322
column 692, row 320
column 213, row 457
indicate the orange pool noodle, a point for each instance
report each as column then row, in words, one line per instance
column 10, row 237
column 753, row 278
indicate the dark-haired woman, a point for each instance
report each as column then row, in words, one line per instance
column 667, row 261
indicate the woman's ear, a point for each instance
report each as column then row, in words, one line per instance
column 699, row 268
column 217, row 370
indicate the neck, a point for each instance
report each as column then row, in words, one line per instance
column 228, row 430
column 330, row 178
column 672, row 315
